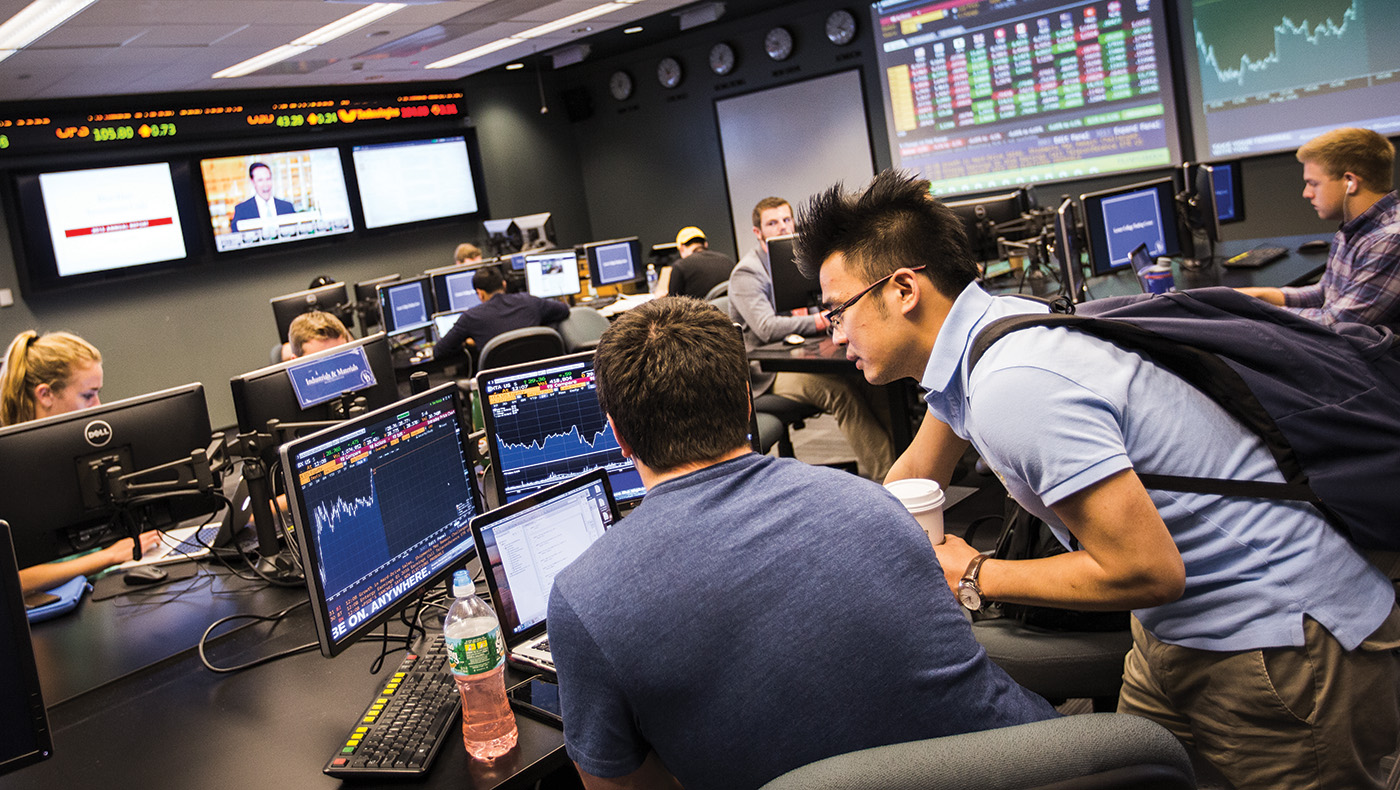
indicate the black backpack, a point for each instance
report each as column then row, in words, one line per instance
column 1325, row 400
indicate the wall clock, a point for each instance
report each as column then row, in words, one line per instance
column 840, row 27
column 620, row 85
column 668, row 72
column 721, row 58
column 778, row 43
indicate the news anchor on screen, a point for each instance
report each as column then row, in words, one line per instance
column 262, row 204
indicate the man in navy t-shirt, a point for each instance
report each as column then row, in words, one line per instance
column 753, row 614
column 498, row 313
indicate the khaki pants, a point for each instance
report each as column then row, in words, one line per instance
column 1315, row 717
column 868, row 436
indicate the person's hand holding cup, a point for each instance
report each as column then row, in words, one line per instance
column 924, row 500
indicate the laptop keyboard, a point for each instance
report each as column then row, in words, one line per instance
column 405, row 723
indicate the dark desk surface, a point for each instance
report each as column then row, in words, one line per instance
column 130, row 704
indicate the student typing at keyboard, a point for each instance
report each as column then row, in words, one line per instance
column 1347, row 176
column 44, row 376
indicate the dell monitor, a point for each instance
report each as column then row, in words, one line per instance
column 406, row 305
column 551, row 274
column 616, row 262
column 25, row 738
column 1117, row 220
column 453, row 289
column 544, row 424
column 792, row 290
column 383, row 505
column 1069, row 250
column 989, row 216
column 57, row 493
column 333, row 299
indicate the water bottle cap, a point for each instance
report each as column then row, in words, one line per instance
column 462, row 585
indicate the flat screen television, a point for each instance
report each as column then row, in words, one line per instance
column 1118, row 220
column 84, row 225
column 257, row 200
column 1267, row 77
column 64, row 458
column 413, row 181
column 982, row 95
column 383, row 504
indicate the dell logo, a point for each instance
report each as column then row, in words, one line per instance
column 97, row 433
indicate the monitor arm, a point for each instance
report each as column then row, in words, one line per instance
column 199, row 473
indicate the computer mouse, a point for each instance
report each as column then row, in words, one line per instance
column 145, row 574
column 794, row 339
column 1316, row 245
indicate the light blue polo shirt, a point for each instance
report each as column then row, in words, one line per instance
column 1054, row 410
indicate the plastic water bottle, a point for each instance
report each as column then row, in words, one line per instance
column 651, row 278
column 476, row 655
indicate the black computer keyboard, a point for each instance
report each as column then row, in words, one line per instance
column 1253, row 259
column 405, row 724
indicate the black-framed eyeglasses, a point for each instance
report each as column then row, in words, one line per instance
column 833, row 316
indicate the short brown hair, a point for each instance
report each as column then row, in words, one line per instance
column 1349, row 150
column 673, row 375
column 467, row 252
column 35, row 359
column 315, row 325
column 764, row 205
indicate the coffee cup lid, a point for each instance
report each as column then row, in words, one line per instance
column 917, row 493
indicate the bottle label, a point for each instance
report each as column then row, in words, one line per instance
column 477, row 654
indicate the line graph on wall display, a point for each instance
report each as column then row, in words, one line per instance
column 1275, row 73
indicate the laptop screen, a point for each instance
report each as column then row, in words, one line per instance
column 545, row 425
column 526, row 544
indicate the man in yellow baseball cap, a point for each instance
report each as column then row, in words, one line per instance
column 700, row 268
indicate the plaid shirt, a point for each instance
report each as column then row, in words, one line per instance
column 1362, row 280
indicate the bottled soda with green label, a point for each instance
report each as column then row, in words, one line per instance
column 476, row 656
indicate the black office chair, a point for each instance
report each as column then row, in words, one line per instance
column 1058, row 665
column 792, row 414
column 719, row 290
column 520, row 345
column 582, row 329
column 1092, row 751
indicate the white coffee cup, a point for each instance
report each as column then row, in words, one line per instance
column 924, row 499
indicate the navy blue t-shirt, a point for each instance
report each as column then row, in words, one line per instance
column 761, row 614
column 498, row 315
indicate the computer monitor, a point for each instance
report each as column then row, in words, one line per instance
column 25, row 738
column 1229, row 191
column 453, row 290
column 615, row 262
column 271, row 393
column 382, row 504
column 414, row 180
column 536, row 231
column 1199, row 209
column 1069, row 250
column 502, row 238
column 550, row 274
column 333, row 298
column 1117, row 220
column 405, row 305
column 56, row 492
column 367, row 301
column 989, row 216
column 792, row 290
column 544, row 424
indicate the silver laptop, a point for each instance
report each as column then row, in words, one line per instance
column 525, row 544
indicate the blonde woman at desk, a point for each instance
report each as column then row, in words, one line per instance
column 43, row 376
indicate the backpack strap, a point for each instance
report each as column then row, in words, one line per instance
column 1204, row 371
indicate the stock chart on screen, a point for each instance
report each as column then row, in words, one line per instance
column 983, row 94
column 547, row 426
column 1269, row 75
